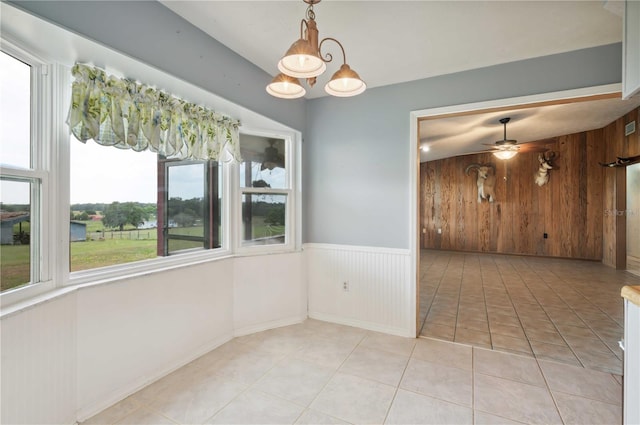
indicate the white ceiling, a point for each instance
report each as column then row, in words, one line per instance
column 389, row 42
column 461, row 135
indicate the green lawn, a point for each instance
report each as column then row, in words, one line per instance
column 107, row 252
column 114, row 248
column 15, row 269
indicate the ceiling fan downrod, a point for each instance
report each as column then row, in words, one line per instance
column 504, row 121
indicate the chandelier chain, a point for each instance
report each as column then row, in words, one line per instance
column 310, row 13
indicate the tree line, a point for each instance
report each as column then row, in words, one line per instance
column 116, row 215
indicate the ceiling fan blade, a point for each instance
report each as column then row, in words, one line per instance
column 477, row 152
column 532, row 148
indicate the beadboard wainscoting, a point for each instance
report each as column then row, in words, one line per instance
column 135, row 331
column 366, row 287
column 269, row 292
column 38, row 366
column 69, row 357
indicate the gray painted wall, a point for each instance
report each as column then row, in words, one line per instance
column 152, row 33
column 356, row 150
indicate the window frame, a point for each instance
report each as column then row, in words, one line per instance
column 53, row 81
column 159, row 263
column 152, row 265
column 39, row 175
column 292, row 207
column 211, row 196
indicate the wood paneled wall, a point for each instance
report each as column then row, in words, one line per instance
column 615, row 190
column 576, row 209
column 568, row 209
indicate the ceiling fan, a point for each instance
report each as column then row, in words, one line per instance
column 272, row 157
column 508, row 148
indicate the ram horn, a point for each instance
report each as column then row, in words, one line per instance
column 490, row 165
column 471, row 166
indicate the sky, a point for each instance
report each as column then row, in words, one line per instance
column 104, row 174
column 14, row 124
column 99, row 174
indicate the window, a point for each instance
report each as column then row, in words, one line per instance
column 190, row 210
column 265, row 191
column 22, row 172
column 113, row 203
column 75, row 212
column 135, row 206
column 145, row 181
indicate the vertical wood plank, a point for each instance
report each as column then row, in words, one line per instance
column 577, row 208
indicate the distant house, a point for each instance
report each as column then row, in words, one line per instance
column 148, row 224
column 78, row 231
column 7, row 221
column 95, row 217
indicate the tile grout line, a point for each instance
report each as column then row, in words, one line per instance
column 570, row 307
column 546, row 382
column 527, row 263
column 473, row 381
column 395, row 393
column 545, row 312
column 334, row 374
column 517, row 316
column 424, row 322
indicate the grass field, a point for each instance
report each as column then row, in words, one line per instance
column 15, row 266
column 107, row 252
column 110, row 249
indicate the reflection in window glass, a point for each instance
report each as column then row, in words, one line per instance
column 263, row 219
column 15, row 233
column 186, row 206
column 15, row 112
column 264, row 163
column 175, row 245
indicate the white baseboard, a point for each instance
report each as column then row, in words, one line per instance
column 247, row 330
column 87, row 412
column 361, row 324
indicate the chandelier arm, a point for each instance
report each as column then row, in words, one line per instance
column 303, row 24
column 328, row 56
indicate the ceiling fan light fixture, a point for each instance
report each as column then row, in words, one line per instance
column 272, row 158
column 505, row 154
column 345, row 83
column 507, row 148
column 285, row 87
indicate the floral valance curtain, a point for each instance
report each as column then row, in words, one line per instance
column 129, row 115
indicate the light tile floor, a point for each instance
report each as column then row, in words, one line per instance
column 322, row 373
column 566, row 311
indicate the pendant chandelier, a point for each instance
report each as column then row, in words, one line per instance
column 304, row 59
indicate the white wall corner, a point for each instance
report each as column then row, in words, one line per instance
column 269, row 292
column 365, row 287
column 86, row 412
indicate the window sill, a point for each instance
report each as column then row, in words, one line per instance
column 27, row 297
column 145, row 267
column 22, row 299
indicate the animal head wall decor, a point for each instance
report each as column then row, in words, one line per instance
column 541, row 177
column 486, row 180
column 622, row 161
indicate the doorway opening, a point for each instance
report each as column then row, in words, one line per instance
column 454, row 253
